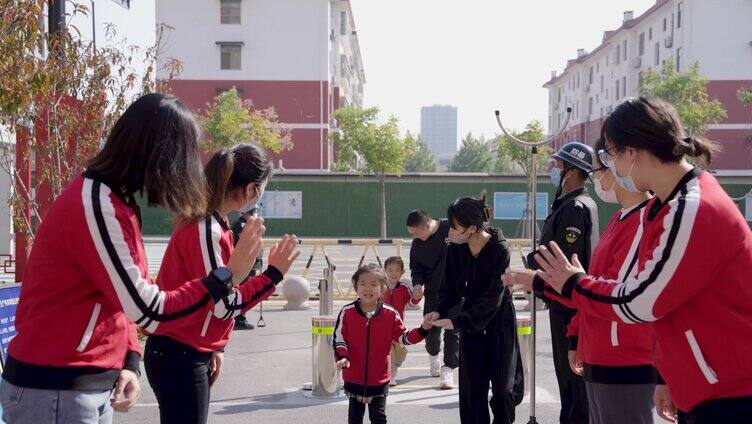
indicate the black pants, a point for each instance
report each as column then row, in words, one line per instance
column 726, row 411
column 179, row 376
column 574, row 403
column 376, row 411
column 492, row 356
column 451, row 338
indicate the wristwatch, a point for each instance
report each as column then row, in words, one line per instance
column 222, row 275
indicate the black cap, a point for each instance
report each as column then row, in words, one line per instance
column 576, row 154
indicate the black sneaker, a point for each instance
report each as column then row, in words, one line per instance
column 241, row 323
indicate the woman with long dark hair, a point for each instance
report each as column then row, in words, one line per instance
column 692, row 266
column 87, row 283
column 489, row 351
column 183, row 363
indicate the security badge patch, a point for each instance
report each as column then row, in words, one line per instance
column 572, row 234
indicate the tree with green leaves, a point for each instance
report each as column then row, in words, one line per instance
column 230, row 120
column 520, row 156
column 745, row 96
column 368, row 145
column 687, row 91
column 474, row 156
column 60, row 95
column 422, row 159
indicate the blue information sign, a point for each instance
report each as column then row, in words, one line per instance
column 513, row 205
column 8, row 302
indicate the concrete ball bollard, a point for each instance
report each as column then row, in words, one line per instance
column 296, row 290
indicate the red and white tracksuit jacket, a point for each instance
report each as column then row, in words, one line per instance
column 693, row 283
column 613, row 352
column 85, row 285
column 399, row 297
column 194, row 250
column 367, row 342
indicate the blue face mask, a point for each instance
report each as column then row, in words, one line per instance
column 555, row 176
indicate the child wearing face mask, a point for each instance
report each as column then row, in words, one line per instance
column 489, row 350
column 184, row 363
column 363, row 337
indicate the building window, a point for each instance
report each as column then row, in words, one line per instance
column 641, row 48
column 650, row 34
column 602, row 83
column 343, row 66
column 578, row 80
column 679, row 11
column 125, row 3
column 616, row 90
column 229, row 12
column 623, row 87
column 617, row 56
column 229, row 56
column 678, row 59
column 657, row 54
column 625, row 50
column 598, row 67
column 665, row 22
column 590, row 106
column 591, row 76
column 343, row 22
column 559, row 100
column 639, row 78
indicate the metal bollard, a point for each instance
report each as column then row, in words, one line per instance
column 525, row 337
column 326, row 291
column 326, row 376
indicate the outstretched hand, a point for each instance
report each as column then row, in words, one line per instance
column 555, row 268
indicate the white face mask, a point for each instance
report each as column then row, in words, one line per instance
column 250, row 205
column 608, row 196
column 627, row 183
column 455, row 237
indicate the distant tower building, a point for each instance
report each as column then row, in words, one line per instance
column 438, row 127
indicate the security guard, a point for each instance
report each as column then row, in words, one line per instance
column 573, row 225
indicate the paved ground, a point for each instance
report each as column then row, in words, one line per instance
column 265, row 368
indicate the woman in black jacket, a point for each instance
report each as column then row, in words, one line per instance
column 489, row 351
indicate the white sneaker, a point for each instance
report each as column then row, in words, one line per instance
column 435, row 366
column 393, row 381
column 447, row 378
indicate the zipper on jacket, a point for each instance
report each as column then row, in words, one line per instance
column 368, row 347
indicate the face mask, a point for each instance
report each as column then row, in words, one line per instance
column 627, row 183
column 459, row 238
column 608, row 196
column 250, row 205
column 555, row 176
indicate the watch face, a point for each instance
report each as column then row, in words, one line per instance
column 223, row 274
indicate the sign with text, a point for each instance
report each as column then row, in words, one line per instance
column 513, row 205
column 282, row 205
column 8, row 302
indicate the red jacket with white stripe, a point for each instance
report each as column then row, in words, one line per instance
column 367, row 342
column 86, row 283
column 399, row 297
column 692, row 282
column 613, row 352
column 194, row 250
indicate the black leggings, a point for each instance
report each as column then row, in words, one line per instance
column 376, row 411
column 179, row 376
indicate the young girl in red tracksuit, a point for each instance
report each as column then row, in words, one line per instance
column 398, row 296
column 691, row 278
column 184, row 362
column 86, row 287
column 615, row 359
column 363, row 337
